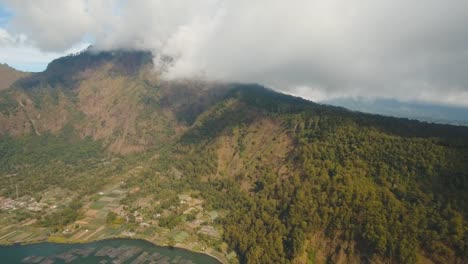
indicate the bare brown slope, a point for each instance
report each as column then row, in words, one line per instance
column 128, row 113
column 112, row 97
column 103, row 106
column 8, row 76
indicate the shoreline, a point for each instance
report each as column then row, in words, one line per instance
column 179, row 247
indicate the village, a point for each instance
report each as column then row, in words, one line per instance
column 28, row 203
column 179, row 221
column 47, row 202
column 183, row 223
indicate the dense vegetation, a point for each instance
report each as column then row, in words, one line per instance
column 34, row 163
column 281, row 168
column 348, row 185
column 354, row 178
column 63, row 216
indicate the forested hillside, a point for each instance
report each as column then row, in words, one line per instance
column 300, row 182
column 385, row 188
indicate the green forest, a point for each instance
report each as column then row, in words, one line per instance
column 358, row 177
column 284, row 169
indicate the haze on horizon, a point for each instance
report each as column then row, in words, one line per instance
column 408, row 50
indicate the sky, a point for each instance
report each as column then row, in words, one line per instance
column 318, row 49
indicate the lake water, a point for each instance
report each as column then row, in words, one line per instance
column 102, row 252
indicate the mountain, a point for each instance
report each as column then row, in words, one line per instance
column 271, row 177
column 8, row 76
column 420, row 111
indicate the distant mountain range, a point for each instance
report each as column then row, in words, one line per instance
column 413, row 110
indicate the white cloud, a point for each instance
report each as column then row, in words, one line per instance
column 58, row 25
column 18, row 53
column 403, row 49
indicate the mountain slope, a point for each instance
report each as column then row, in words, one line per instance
column 8, row 76
column 295, row 181
column 354, row 177
column 97, row 94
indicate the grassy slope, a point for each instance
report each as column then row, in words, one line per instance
column 8, row 76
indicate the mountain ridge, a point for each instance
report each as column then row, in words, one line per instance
column 9, row 75
column 285, row 172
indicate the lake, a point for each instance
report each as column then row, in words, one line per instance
column 102, row 252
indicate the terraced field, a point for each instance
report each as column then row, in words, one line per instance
column 197, row 234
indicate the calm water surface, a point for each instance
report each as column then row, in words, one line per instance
column 102, row 252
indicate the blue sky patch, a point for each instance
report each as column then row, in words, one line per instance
column 5, row 15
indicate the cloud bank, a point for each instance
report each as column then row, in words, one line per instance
column 410, row 50
column 22, row 55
